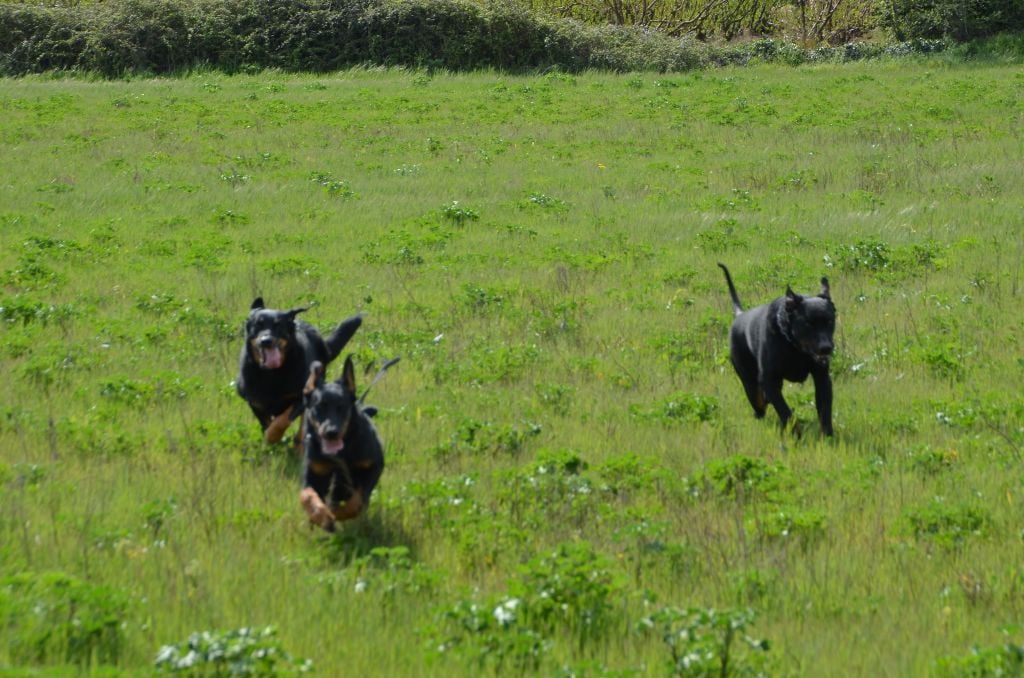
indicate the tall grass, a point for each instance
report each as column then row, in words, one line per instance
column 540, row 250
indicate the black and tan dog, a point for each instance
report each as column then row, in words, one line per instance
column 344, row 456
column 275, row 362
column 786, row 339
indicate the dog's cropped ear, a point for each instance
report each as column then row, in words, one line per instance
column 348, row 376
column 792, row 299
column 824, row 293
column 316, row 374
column 256, row 303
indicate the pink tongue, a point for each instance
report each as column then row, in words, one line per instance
column 272, row 358
column 332, row 446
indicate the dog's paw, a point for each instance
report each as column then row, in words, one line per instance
column 316, row 510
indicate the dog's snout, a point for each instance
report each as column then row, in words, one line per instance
column 266, row 341
column 331, row 434
column 826, row 349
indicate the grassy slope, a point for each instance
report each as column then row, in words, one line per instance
column 585, row 286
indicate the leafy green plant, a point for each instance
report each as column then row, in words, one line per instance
column 336, row 188
column 570, row 590
column 930, row 461
column 869, row 255
column 752, row 586
column 708, row 642
column 556, row 398
column 743, row 478
column 492, row 633
column 546, row 202
column 724, row 236
column 944, row 356
column 947, row 524
column 240, row 652
column 489, row 364
column 679, row 407
column 459, row 214
column 24, row 310
column 984, row 662
column 482, row 299
column 647, row 545
column 386, row 572
column 572, row 587
column 554, row 488
column 787, row 523
column 477, row 437
column 50, row 616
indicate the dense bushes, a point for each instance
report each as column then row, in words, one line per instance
column 957, row 19
column 161, row 36
column 165, row 36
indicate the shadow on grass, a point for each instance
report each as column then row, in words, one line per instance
column 360, row 537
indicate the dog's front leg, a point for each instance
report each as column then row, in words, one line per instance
column 278, row 425
column 772, row 389
column 823, row 398
column 353, row 506
column 316, row 509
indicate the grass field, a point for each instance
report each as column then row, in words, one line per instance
column 571, row 462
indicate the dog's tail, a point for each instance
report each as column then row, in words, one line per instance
column 341, row 335
column 376, row 378
column 737, row 307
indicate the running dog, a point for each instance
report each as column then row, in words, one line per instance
column 786, row 339
column 275, row 362
column 344, row 456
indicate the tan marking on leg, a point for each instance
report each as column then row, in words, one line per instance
column 316, row 509
column 352, row 508
column 278, row 426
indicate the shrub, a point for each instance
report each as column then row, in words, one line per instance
column 959, row 19
column 162, row 36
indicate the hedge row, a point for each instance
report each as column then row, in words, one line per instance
column 960, row 20
column 122, row 37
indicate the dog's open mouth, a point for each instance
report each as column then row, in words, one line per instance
column 333, row 446
column 271, row 358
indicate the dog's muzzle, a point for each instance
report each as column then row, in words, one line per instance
column 331, row 442
column 270, row 355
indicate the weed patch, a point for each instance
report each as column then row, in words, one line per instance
column 704, row 642
column 53, row 616
column 245, row 651
column 947, row 524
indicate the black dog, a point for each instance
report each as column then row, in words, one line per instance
column 344, row 457
column 276, row 359
column 788, row 338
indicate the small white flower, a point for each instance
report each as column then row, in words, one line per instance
column 360, row 586
column 505, row 613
